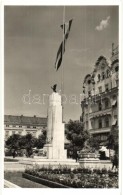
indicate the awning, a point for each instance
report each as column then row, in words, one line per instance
column 114, row 121
column 114, row 102
column 103, row 149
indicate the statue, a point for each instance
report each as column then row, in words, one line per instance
column 54, row 88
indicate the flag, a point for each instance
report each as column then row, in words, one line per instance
column 59, row 56
column 66, row 28
column 61, row 49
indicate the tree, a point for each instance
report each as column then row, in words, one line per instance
column 112, row 140
column 76, row 134
column 13, row 142
column 94, row 143
column 28, row 142
column 41, row 140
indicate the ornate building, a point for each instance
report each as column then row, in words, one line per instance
column 100, row 102
column 23, row 125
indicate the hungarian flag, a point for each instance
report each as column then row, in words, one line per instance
column 66, row 28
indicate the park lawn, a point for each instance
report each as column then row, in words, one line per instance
column 16, row 178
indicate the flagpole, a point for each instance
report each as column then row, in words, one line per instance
column 62, row 69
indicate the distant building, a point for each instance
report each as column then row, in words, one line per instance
column 100, row 102
column 23, row 125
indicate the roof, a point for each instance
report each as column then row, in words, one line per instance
column 24, row 120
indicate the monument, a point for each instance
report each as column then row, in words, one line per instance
column 55, row 129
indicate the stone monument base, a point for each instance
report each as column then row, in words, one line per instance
column 45, row 162
column 93, row 163
column 91, row 160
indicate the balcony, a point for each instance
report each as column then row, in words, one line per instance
column 102, row 130
column 99, row 113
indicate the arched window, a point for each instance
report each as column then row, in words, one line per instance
column 89, row 81
column 100, row 123
column 107, row 73
column 89, row 93
column 100, row 106
column 106, row 103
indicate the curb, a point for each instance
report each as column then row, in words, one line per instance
column 8, row 184
column 45, row 182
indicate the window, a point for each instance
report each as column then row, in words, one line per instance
column 98, row 77
column 13, row 125
column 103, row 137
column 100, row 123
column 106, row 103
column 116, row 69
column 7, row 134
column 117, row 82
column 92, row 124
column 34, row 134
column 28, row 126
column 7, row 125
column 13, row 132
column 86, row 124
column 100, row 89
column 103, row 75
column 100, row 106
column 106, row 87
column 106, row 122
column 20, row 125
column 89, row 81
column 114, row 97
column 34, row 127
column 107, row 73
column 89, row 93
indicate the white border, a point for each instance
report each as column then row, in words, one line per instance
column 48, row 3
column 2, row 92
column 63, row 2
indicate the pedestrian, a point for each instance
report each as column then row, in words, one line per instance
column 70, row 154
column 115, row 162
column 76, row 156
column 13, row 153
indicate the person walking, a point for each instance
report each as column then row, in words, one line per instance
column 115, row 162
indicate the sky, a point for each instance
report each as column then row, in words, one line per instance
column 32, row 35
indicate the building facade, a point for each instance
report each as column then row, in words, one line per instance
column 23, row 125
column 100, row 102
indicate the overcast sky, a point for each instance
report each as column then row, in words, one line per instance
column 32, row 37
